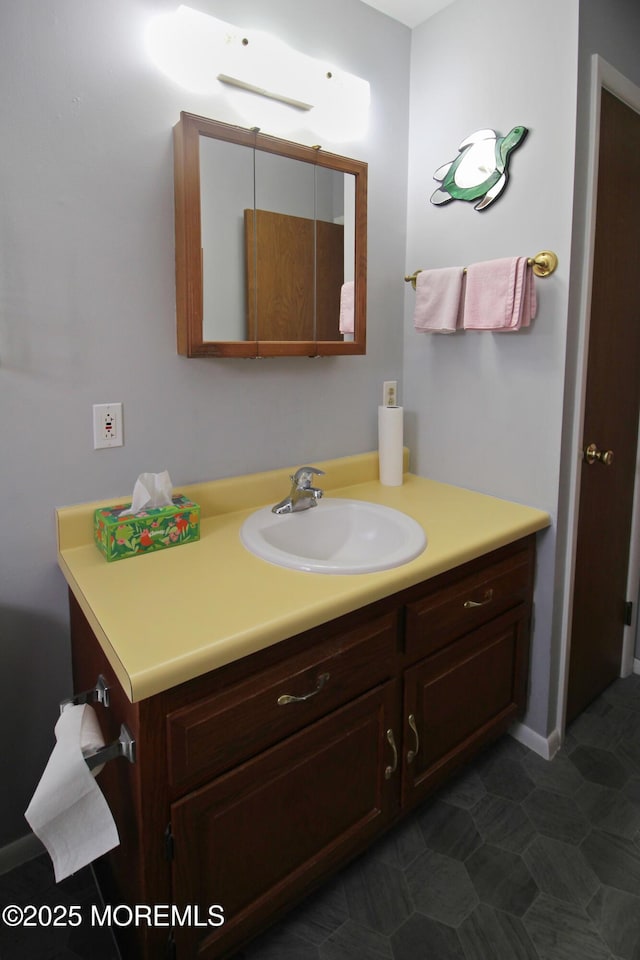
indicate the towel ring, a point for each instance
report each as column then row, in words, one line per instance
column 543, row 265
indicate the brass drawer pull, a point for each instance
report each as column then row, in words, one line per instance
column 288, row 698
column 412, row 754
column 488, row 597
column 394, row 766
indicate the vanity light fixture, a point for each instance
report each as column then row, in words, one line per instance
column 208, row 56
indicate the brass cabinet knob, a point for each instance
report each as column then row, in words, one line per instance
column 591, row 454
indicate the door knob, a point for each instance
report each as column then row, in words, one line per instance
column 591, row 454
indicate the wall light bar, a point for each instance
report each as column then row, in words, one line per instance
column 244, row 85
column 208, row 56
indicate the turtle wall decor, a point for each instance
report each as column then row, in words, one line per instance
column 480, row 170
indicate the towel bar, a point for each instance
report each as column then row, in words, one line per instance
column 543, row 264
column 97, row 694
column 124, row 746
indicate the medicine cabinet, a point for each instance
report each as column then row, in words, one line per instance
column 270, row 241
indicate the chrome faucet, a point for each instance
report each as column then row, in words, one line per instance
column 302, row 495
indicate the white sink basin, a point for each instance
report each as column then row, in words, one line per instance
column 337, row 536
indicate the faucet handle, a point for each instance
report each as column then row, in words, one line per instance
column 304, row 475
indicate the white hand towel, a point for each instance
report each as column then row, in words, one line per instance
column 438, row 300
column 68, row 811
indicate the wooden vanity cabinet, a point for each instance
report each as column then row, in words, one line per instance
column 256, row 781
column 457, row 699
column 466, row 670
column 256, row 837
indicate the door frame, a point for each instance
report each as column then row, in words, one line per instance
column 603, row 76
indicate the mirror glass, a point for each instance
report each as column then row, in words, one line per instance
column 270, row 245
column 224, row 294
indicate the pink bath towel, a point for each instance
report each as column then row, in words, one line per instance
column 500, row 295
column 347, row 294
column 438, row 300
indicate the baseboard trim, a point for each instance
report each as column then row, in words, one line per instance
column 20, row 851
column 545, row 747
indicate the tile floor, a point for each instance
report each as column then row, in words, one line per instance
column 33, row 885
column 517, row 859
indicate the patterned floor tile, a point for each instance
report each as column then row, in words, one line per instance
column 495, row 934
column 632, row 790
column 507, row 779
column 377, row 895
column 320, row 915
column 503, row 824
column 560, row 870
column 423, row 939
column 556, row 816
column 628, row 751
column 507, row 748
column 354, row 940
column 440, row 888
column 502, row 880
column 600, row 766
column 560, row 775
column 617, row 916
column 401, row 846
column 33, row 884
column 448, row 830
column 563, row 931
column 464, row 791
column 280, row 944
column 609, row 810
column 601, row 730
column 624, row 694
column 616, row 862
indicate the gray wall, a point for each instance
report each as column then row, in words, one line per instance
column 87, row 306
column 486, row 409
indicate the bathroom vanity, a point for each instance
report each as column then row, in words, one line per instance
column 279, row 734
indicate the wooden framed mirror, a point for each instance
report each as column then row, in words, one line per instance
column 271, row 241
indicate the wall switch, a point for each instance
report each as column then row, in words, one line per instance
column 390, row 393
column 107, row 425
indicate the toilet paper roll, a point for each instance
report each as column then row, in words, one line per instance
column 390, row 439
column 68, row 812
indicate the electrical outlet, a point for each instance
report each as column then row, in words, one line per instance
column 107, row 425
column 390, row 393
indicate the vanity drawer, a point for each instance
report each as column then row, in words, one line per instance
column 221, row 731
column 447, row 613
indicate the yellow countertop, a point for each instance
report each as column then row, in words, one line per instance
column 175, row 614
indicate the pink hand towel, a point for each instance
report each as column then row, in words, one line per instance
column 347, row 294
column 438, row 300
column 500, row 295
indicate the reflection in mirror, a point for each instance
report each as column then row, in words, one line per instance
column 270, row 237
column 224, row 295
column 280, row 249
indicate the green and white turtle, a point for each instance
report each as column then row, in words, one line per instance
column 479, row 172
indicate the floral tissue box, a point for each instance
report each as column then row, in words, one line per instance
column 153, row 528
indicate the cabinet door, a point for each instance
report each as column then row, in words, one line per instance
column 259, row 836
column 460, row 698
